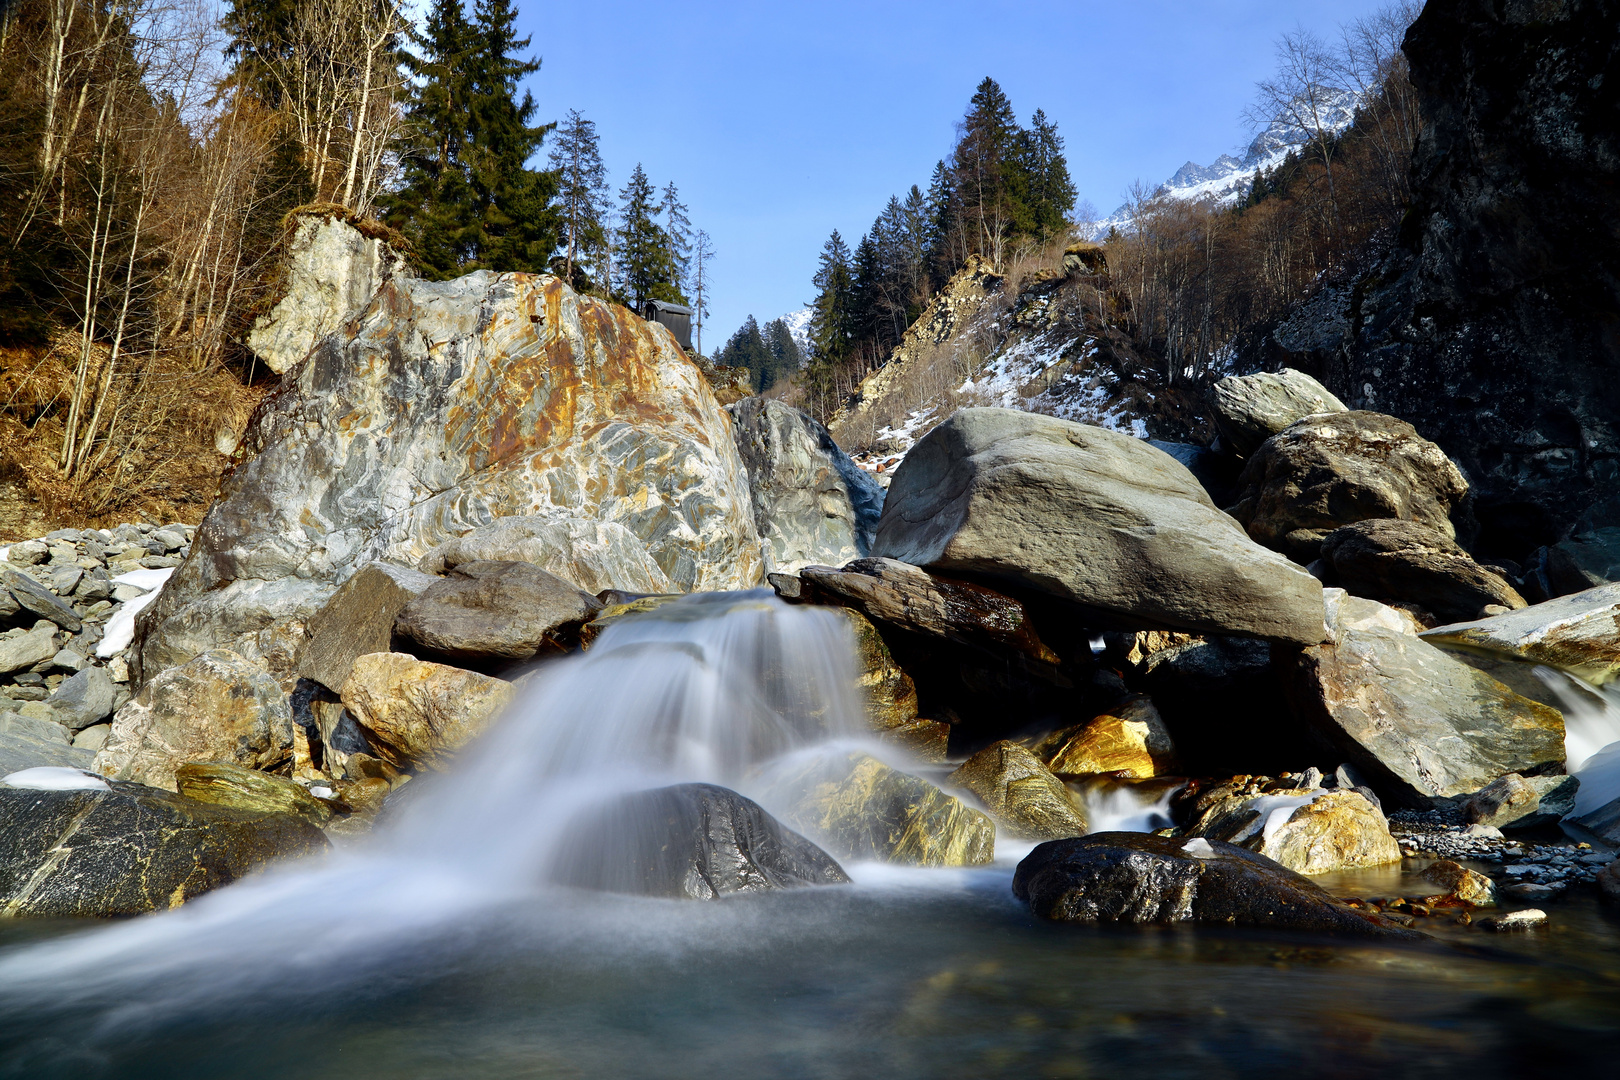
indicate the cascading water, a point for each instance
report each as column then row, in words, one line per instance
column 1591, row 737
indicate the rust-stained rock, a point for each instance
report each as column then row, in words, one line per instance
column 419, row 713
column 1130, row 740
column 441, row 408
column 358, row 619
column 224, row 784
column 216, row 707
column 1021, row 794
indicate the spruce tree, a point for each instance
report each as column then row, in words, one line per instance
column 1050, row 191
column 747, row 349
column 831, row 322
column 646, row 266
column 582, row 190
column 678, row 229
column 989, row 177
column 786, row 356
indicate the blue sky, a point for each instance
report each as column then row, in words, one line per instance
column 780, row 122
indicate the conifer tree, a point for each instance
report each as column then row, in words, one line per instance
column 702, row 256
column 1050, row 191
column 582, row 190
column 645, row 265
column 678, row 229
column 786, row 356
column 747, row 349
column 831, row 321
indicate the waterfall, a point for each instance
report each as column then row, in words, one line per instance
column 1591, row 737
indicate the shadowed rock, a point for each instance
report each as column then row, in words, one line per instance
column 358, row 619
column 1404, row 562
column 1579, row 633
column 1021, row 793
column 496, row 611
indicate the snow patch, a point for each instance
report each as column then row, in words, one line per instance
column 121, row 627
column 54, row 778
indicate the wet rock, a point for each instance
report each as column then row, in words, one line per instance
column 595, row 555
column 217, row 707
column 614, row 613
column 1020, row 793
column 358, row 619
column 1018, row 497
column 690, row 842
column 1421, row 726
column 223, row 784
column 1138, row 878
column 441, row 408
column 1523, row 802
column 27, row 743
column 1404, row 562
column 25, row 650
column 1333, row 470
column 859, row 808
column 1527, row 919
column 1130, row 740
column 496, row 611
column 130, row 849
column 890, row 695
column 1608, row 881
column 1461, row 884
column 84, row 699
column 1604, row 822
column 1301, row 825
column 1579, row 633
column 1249, row 409
column 812, row 504
column 418, row 713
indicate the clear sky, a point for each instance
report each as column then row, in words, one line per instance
column 782, row 121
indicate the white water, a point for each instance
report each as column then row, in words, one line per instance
column 1116, row 806
column 1591, row 737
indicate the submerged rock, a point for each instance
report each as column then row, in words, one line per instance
column 1461, row 884
column 1404, row 562
column 595, row 555
column 1332, row 470
column 1093, row 517
column 1579, row 633
column 419, row 713
column 689, row 841
column 812, row 504
column 1249, row 409
column 1423, row 727
column 130, row 849
column 496, row 611
column 1138, row 878
column 859, row 808
column 1021, row 794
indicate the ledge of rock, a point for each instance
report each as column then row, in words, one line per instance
column 1579, row 633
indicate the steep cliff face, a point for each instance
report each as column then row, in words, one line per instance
column 445, row 406
column 1494, row 323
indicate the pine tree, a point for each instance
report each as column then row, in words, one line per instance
column 786, row 356
column 583, row 190
column 1050, row 191
column 678, row 230
column 831, row 321
column 747, row 349
column 645, row 265
column 989, row 179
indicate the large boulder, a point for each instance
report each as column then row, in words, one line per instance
column 1249, row 409
column 812, row 504
column 1407, row 563
column 122, row 849
column 1422, row 727
column 889, row 694
column 28, row 743
column 1524, row 802
column 860, row 808
column 1137, row 878
column 218, row 706
column 1093, row 517
column 595, row 555
column 358, row 619
column 419, row 713
column 496, row 611
column 331, row 270
column 1339, row 468
column 1578, row 633
column 688, row 842
column 441, row 408
column 1021, row 794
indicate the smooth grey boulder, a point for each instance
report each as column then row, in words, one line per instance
column 595, row 555
column 130, row 849
column 358, row 619
column 1249, row 409
column 1422, row 727
column 84, row 699
column 1404, row 562
column 27, row 743
column 812, row 504
column 34, row 597
column 1579, row 633
column 1117, row 877
column 22, row 651
column 1093, row 517
column 495, row 610
column 1522, row 802
column 1335, row 469
column 690, row 842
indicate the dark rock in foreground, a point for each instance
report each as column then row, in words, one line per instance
column 1139, row 878
column 130, row 849
column 689, row 841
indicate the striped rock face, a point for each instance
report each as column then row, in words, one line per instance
column 441, row 408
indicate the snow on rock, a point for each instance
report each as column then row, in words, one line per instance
column 121, row 627
column 54, row 778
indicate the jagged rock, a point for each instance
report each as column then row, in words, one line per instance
column 1421, row 726
column 27, row 743
column 595, row 555
column 1314, row 831
column 1130, row 739
column 441, row 408
column 1085, row 257
column 25, row 650
column 812, row 504
column 332, row 270
column 890, row 695
column 1579, row 633
column 1249, row 409
column 1331, row 470
column 1093, row 517
column 495, row 610
column 1137, row 878
column 224, row 784
column 1021, row 794
column 859, row 808
column 689, row 842
column 420, row 713
column 1588, row 557
column 1522, row 802
column 130, row 849
column 730, row 384
column 1461, row 884
column 216, row 707
column 358, row 619
column 28, row 552
column 83, row 699
column 31, row 596
column 1394, row 562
